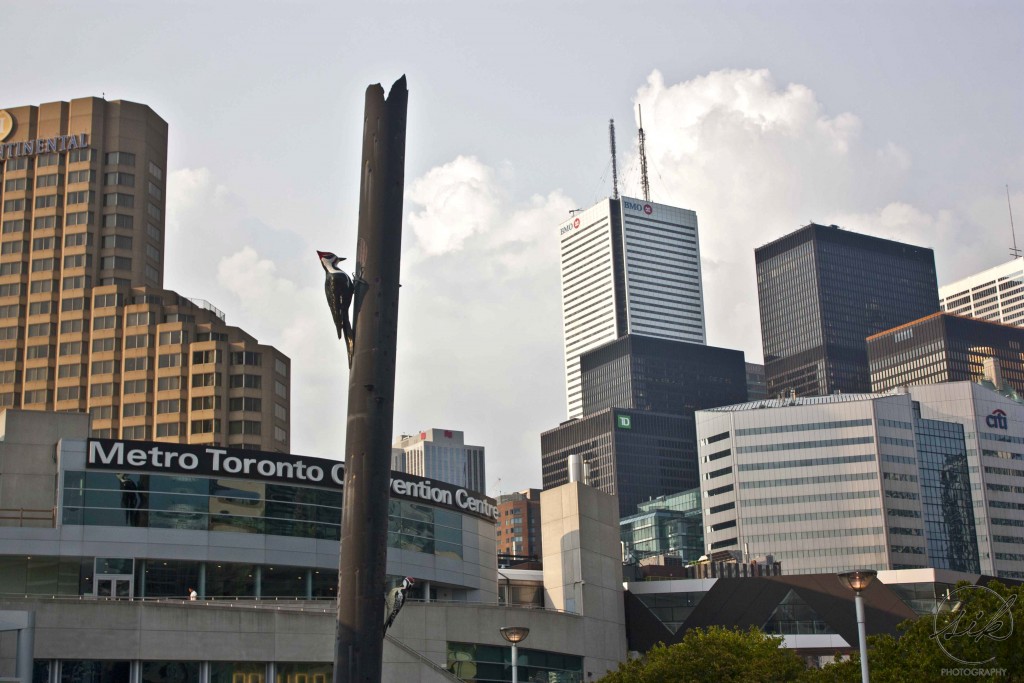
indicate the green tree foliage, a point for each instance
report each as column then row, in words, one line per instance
column 713, row 655
column 985, row 631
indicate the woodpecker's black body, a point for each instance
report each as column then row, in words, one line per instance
column 339, row 289
column 394, row 600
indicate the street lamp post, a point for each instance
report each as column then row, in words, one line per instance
column 857, row 581
column 515, row 635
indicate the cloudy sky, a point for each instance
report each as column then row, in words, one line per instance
column 902, row 120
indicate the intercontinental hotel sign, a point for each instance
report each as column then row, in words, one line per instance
column 29, row 148
column 212, row 461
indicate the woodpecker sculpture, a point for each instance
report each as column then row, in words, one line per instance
column 394, row 600
column 339, row 288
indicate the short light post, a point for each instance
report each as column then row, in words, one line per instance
column 857, row 581
column 515, row 635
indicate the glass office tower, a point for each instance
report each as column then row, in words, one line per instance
column 822, row 290
column 947, row 348
column 628, row 267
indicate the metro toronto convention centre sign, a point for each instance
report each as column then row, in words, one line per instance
column 214, row 461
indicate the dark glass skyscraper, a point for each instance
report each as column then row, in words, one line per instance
column 822, row 291
column 637, row 434
column 661, row 376
column 947, row 348
column 631, row 454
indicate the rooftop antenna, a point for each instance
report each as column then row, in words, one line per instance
column 643, row 158
column 1014, row 252
column 615, row 168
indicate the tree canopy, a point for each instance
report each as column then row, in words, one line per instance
column 713, row 655
column 979, row 638
column 978, row 635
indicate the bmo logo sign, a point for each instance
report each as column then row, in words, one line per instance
column 997, row 419
column 569, row 227
column 637, row 206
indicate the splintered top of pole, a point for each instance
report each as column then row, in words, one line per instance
column 398, row 95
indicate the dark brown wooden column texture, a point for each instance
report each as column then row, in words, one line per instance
column 359, row 642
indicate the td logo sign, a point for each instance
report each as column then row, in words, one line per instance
column 623, row 421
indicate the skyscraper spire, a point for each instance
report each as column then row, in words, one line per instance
column 615, row 167
column 643, row 159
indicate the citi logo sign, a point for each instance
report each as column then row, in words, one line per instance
column 569, row 227
column 637, row 206
column 997, row 420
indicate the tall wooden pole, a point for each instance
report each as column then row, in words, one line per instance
column 359, row 643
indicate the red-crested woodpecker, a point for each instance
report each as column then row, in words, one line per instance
column 339, row 289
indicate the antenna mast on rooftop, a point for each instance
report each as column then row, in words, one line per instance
column 615, row 167
column 643, row 159
column 1014, row 252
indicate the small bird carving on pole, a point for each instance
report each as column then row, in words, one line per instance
column 394, row 600
column 339, row 289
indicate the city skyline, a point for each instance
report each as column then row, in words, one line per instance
column 897, row 123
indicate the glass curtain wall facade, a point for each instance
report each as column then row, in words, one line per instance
column 631, row 454
column 156, row 501
column 946, row 495
column 491, row 663
column 113, row 671
column 824, row 484
column 821, row 291
column 661, row 376
column 670, row 524
column 993, row 426
column 947, row 348
column 637, row 434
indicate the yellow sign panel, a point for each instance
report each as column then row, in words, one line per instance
column 6, row 125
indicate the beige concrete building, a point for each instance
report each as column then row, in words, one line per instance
column 85, row 324
column 102, row 541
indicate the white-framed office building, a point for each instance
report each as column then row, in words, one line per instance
column 996, row 294
column 628, row 267
column 909, row 479
column 442, row 455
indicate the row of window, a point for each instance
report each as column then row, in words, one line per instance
column 70, row 261
column 829, row 552
column 814, row 534
column 795, row 445
column 811, row 498
column 806, row 462
column 799, row 481
column 807, row 426
column 811, row 516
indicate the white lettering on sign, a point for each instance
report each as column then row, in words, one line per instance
column 213, row 461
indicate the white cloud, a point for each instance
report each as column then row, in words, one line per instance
column 757, row 160
column 480, row 317
column 458, row 200
column 480, row 337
